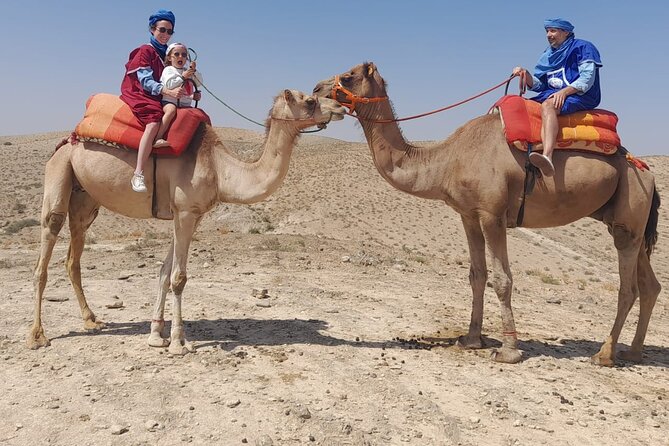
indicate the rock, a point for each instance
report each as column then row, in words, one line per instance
column 302, row 412
column 233, row 403
column 263, row 304
column 265, row 440
column 125, row 275
column 260, row 293
column 56, row 298
column 117, row 429
column 115, row 305
column 151, row 425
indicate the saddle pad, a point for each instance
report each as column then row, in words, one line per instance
column 592, row 130
column 108, row 118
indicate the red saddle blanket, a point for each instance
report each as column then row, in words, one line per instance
column 592, row 130
column 108, row 118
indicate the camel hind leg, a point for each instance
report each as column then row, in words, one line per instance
column 82, row 212
column 58, row 177
column 649, row 290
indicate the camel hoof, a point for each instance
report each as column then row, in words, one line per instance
column 631, row 356
column 507, row 355
column 94, row 325
column 467, row 342
column 603, row 361
column 37, row 341
column 155, row 340
column 180, row 348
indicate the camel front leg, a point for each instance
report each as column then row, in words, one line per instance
column 83, row 211
column 55, row 203
column 478, row 274
column 185, row 224
column 494, row 229
column 157, row 338
column 51, row 226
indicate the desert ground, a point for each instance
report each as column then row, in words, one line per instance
column 353, row 342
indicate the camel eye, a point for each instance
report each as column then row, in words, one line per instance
column 346, row 78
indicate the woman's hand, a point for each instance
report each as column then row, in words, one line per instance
column 175, row 93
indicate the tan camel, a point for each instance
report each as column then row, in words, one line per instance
column 80, row 178
column 476, row 173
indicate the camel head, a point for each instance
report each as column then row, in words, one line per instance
column 361, row 84
column 306, row 111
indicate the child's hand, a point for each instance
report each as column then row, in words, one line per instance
column 190, row 71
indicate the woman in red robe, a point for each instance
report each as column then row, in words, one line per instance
column 142, row 91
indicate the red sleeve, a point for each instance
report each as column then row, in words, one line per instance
column 143, row 57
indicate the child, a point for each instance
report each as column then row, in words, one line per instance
column 175, row 75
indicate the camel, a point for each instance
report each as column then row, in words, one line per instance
column 480, row 176
column 82, row 177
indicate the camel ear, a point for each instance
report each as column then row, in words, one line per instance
column 288, row 96
column 370, row 69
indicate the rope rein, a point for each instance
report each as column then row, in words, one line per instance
column 354, row 99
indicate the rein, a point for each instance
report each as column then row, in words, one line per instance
column 320, row 126
column 352, row 99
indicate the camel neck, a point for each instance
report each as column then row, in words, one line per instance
column 402, row 164
column 250, row 182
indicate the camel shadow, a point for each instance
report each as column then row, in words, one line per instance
column 653, row 355
column 229, row 334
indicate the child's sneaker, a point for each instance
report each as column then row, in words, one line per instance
column 138, row 183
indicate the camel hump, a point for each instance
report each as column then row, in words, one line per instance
column 108, row 119
column 591, row 130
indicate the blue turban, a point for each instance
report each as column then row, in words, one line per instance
column 161, row 14
column 559, row 24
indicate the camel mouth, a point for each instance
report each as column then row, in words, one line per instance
column 337, row 116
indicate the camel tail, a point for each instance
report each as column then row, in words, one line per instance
column 650, row 234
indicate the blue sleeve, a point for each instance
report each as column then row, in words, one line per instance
column 586, row 76
column 145, row 76
column 537, row 86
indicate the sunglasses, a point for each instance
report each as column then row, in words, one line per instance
column 177, row 54
column 163, row 30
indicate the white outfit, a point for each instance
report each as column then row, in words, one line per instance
column 172, row 77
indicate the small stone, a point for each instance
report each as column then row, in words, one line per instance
column 233, row 403
column 56, row 298
column 263, row 304
column 151, row 425
column 474, row 420
column 265, row 440
column 652, row 422
column 302, row 412
column 125, row 275
column 115, row 305
column 117, row 429
column 260, row 293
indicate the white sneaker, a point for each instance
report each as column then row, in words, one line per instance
column 138, row 183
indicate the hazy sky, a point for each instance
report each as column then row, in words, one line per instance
column 431, row 53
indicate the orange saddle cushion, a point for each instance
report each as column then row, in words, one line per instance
column 592, row 130
column 108, row 118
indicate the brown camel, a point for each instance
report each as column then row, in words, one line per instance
column 476, row 173
column 80, row 178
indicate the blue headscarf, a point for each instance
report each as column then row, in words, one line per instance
column 161, row 14
column 559, row 24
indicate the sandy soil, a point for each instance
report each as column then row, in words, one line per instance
column 367, row 290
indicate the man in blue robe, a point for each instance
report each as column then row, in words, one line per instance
column 566, row 80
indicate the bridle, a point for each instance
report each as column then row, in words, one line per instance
column 320, row 125
column 351, row 99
